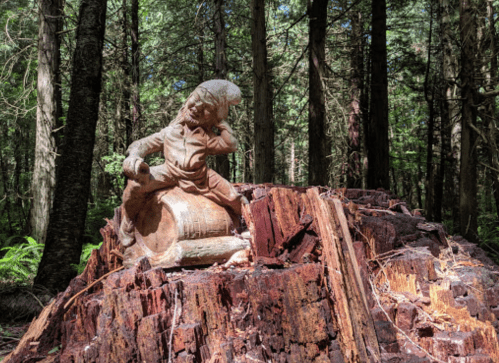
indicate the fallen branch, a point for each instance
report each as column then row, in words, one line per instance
column 92, row 284
column 13, row 340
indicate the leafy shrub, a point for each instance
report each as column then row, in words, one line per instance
column 85, row 255
column 20, row 261
column 114, row 166
column 488, row 233
column 96, row 215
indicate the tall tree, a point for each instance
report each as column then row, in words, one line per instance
column 136, row 108
column 319, row 143
column 468, row 169
column 354, row 176
column 262, row 97
column 222, row 165
column 123, row 121
column 450, row 115
column 377, row 136
column 490, row 110
column 429, row 94
column 47, row 116
column 67, row 220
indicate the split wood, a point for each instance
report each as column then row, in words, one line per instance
column 92, row 284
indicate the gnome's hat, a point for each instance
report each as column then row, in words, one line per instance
column 223, row 94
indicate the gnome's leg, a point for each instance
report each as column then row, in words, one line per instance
column 223, row 193
column 134, row 198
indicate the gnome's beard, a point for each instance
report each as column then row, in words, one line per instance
column 190, row 119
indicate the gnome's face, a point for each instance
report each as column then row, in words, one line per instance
column 198, row 112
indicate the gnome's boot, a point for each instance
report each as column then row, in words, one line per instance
column 126, row 234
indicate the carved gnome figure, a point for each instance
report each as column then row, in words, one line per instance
column 185, row 142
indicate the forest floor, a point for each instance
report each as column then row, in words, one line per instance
column 19, row 304
column 10, row 335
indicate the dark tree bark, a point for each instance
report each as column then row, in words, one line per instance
column 67, row 220
column 200, row 55
column 450, row 114
column 104, row 182
column 377, row 137
column 319, row 148
column 354, row 176
column 136, row 108
column 468, row 171
column 491, row 107
column 49, row 111
column 123, row 121
column 262, row 98
column 429, row 95
column 247, row 149
column 222, row 165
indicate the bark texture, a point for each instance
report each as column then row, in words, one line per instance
column 319, row 142
column 354, row 172
column 450, row 116
column 136, row 108
column 67, row 220
column 222, row 165
column 337, row 276
column 468, row 173
column 377, row 136
column 47, row 115
column 262, row 98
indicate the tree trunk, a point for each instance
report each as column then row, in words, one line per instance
column 200, row 54
column 123, row 121
column 492, row 125
column 133, row 134
column 377, row 137
column 468, row 171
column 354, row 176
column 429, row 95
column 222, row 165
column 450, row 116
column 262, row 98
column 104, row 185
column 319, row 143
column 490, row 109
column 67, row 220
column 247, row 149
column 47, row 115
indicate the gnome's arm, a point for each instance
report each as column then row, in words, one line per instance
column 134, row 164
column 225, row 143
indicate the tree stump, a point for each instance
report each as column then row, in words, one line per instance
column 323, row 286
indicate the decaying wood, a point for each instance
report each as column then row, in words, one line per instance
column 336, row 276
column 89, row 286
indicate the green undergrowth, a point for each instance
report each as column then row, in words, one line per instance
column 488, row 233
column 19, row 262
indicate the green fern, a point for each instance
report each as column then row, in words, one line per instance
column 20, row 261
column 85, row 255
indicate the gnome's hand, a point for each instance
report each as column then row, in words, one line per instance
column 135, row 168
column 224, row 126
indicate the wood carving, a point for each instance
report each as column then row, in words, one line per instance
column 182, row 212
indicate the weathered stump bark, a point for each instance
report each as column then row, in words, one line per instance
column 337, row 276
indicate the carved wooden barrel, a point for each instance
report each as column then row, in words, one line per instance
column 173, row 217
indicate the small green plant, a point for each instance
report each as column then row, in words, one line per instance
column 114, row 166
column 488, row 233
column 85, row 255
column 20, row 261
